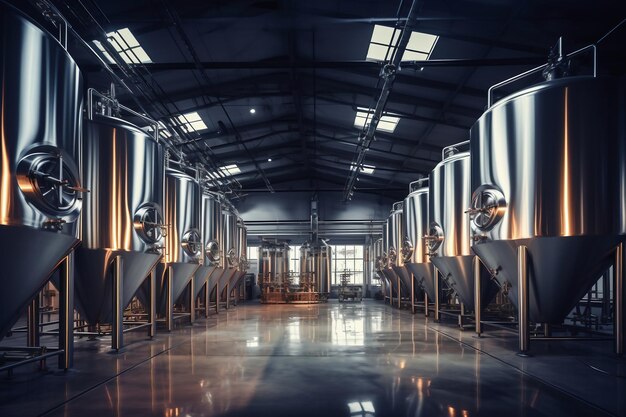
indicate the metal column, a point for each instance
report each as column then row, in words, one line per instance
column 412, row 294
column 152, row 302
column 522, row 284
column 169, row 302
column 117, row 330
column 192, row 301
column 399, row 293
column 207, row 295
column 66, row 312
column 436, row 277
column 32, row 325
column 477, row 294
column 619, row 298
column 425, row 304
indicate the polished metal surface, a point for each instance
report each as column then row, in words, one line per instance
column 316, row 261
column 122, row 215
column 211, row 231
column 183, row 245
column 545, row 166
column 415, row 226
column 449, row 237
column 40, row 188
column 396, row 241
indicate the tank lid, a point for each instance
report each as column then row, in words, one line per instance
column 417, row 184
column 450, row 151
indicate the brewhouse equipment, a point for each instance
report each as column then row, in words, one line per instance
column 414, row 250
column 40, row 187
column 183, row 243
column 315, row 272
column 274, row 271
column 546, row 194
column 396, row 259
column 207, row 275
column 378, row 266
column 393, row 281
column 449, row 239
column 122, row 221
column 230, row 253
column 243, row 257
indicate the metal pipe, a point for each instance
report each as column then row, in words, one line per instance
column 117, row 329
column 453, row 146
column 169, row 302
column 477, row 294
column 522, row 287
column 152, row 304
column 436, row 277
column 32, row 325
column 59, row 353
column 618, row 279
column 66, row 312
column 425, row 304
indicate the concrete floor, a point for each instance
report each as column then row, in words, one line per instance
column 363, row 359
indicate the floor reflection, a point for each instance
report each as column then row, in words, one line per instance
column 330, row 360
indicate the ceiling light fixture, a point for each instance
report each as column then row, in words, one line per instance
column 252, row 110
column 269, row 159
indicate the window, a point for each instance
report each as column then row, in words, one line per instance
column 126, row 45
column 365, row 169
column 253, row 254
column 386, row 123
column 419, row 47
column 347, row 259
column 191, row 122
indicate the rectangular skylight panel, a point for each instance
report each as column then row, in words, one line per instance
column 384, row 41
column 104, row 52
column 365, row 169
column 127, row 46
column 191, row 122
column 387, row 123
column 231, row 169
column 422, row 42
column 387, row 126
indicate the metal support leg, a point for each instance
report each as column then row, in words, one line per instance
column 169, row 302
column 227, row 296
column 117, row 330
column 192, row 301
column 399, row 293
column 32, row 325
column 522, row 287
column 436, row 277
column 207, row 295
column 152, row 304
column 462, row 316
column 66, row 312
column 618, row 279
column 477, row 294
column 412, row 294
column 547, row 330
column 425, row 304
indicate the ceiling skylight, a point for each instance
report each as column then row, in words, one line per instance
column 126, row 45
column 191, row 122
column 231, row 169
column 387, row 123
column 366, row 169
column 163, row 132
column 385, row 39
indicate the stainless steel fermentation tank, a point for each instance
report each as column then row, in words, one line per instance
column 183, row 245
column 315, row 264
column 40, row 188
column 208, row 274
column 273, row 270
column 122, row 220
column 546, row 203
column 242, row 242
column 391, row 278
column 378, row 267
column 231, row 257
column 449, row 237
column 396, row 260
column 414, row 249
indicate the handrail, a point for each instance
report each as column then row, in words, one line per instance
column 541, row 68
column 413, row 187
column 91, row 92
column 450, row 147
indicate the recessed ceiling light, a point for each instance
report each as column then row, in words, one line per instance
column 252, row 110
column 269, row 159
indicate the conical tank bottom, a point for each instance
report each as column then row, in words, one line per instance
column 423, row 274
column 94, row 280
column 458, row 272
column 28, row 257
column 562, row 269
column 182, row 273
column 201, row 277
column 405, row 278
column 215, row 278
column 224, row 279
column 392, row 280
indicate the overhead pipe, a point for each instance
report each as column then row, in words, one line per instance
column 388, row 74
